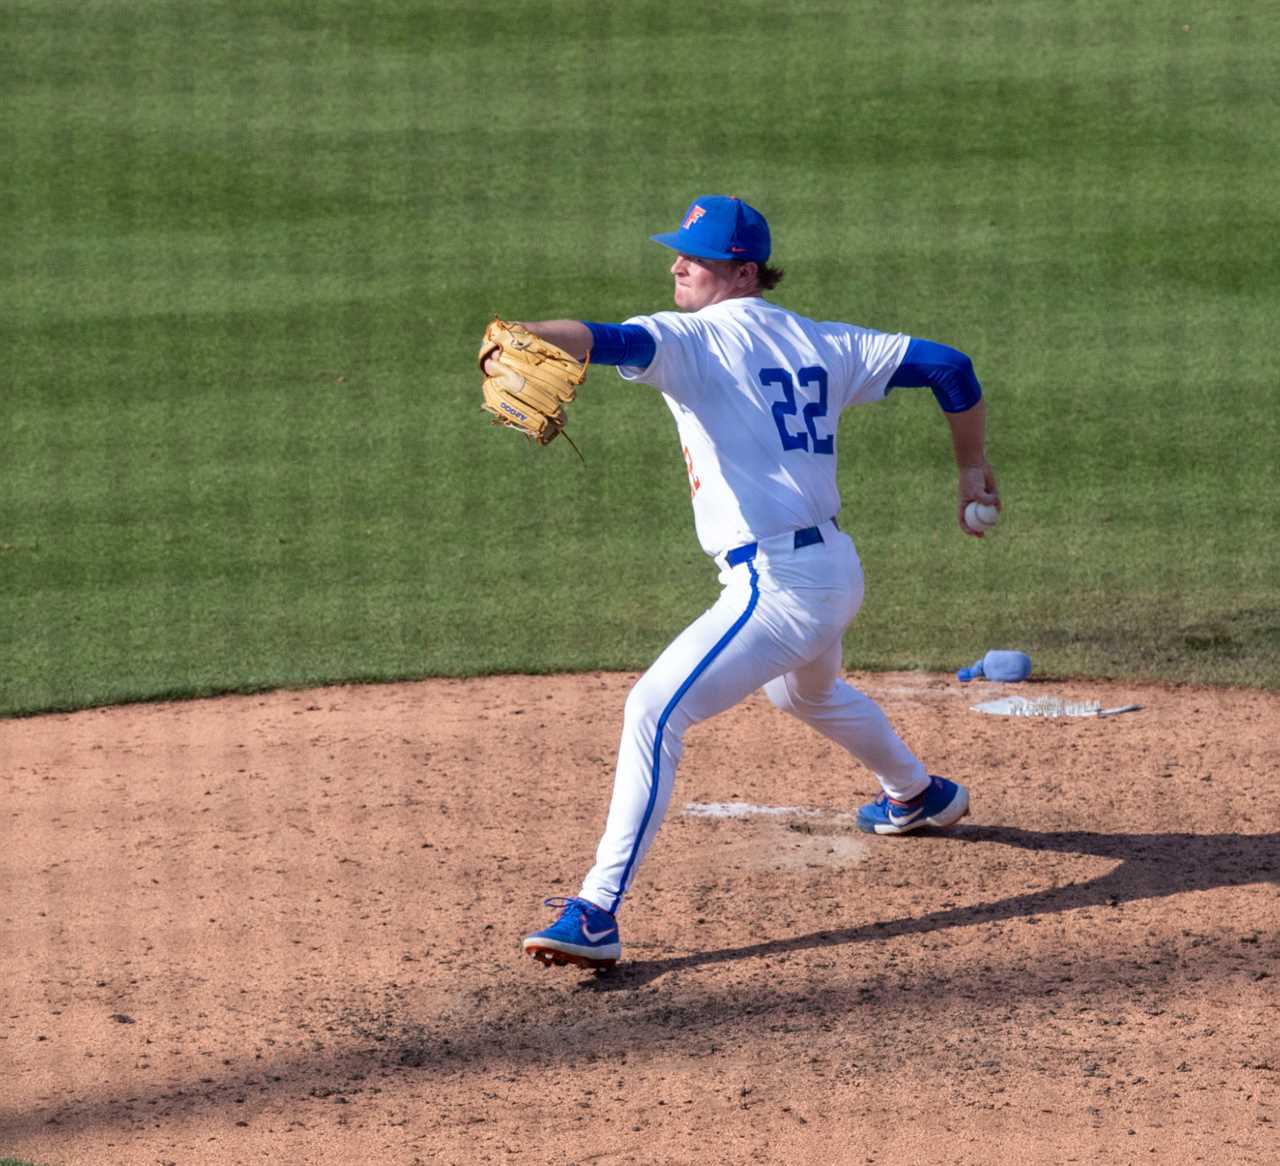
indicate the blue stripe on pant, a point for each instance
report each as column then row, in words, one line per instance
column 655, row 771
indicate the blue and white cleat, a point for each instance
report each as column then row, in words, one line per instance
column 944, row 803
column 584, row 934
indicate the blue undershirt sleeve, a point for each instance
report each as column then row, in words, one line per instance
column 945, row 370
column 628, row 344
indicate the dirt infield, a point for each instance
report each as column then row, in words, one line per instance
column 285, row 928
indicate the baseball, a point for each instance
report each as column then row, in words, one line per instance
column 979, row 516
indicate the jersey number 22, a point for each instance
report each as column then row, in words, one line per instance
column 808, row 376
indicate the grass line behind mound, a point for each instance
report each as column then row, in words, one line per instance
column 250, row 252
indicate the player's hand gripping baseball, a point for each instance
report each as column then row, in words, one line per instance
column 975, row 484
column 976, row 480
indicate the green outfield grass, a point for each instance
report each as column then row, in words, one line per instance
column 249, row 250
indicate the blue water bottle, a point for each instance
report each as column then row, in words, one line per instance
column 1002, row 666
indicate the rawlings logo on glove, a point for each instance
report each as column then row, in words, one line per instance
column 535, row 382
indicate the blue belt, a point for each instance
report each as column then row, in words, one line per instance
column 803, row 538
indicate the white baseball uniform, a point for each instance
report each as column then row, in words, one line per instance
column 756, row 391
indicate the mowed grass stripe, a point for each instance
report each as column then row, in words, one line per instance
column 251, row 253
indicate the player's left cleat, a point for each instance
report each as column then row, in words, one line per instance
column 944, row 803
column 584, row 935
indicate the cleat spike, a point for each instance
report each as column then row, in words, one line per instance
column 584, row 936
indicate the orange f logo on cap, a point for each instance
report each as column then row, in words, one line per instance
column 695, row 213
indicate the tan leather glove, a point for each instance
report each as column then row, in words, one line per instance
column 534, row 384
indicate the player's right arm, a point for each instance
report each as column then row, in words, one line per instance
column 949, row 373
column 976, row 480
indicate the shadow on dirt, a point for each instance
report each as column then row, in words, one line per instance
column 1151, row 866
column 1148, row 866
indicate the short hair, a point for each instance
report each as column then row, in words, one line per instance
column 767, row 278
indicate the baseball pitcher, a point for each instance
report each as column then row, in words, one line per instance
column 756, row 392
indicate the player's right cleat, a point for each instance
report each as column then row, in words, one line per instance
column 584, row 934
column 944, row 803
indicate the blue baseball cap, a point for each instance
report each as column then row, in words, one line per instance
column 717, row 227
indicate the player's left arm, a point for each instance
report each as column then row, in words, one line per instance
column 573, row 336
column 949, row 373
column 627, row 344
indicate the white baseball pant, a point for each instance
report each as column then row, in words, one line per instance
column 778, row 623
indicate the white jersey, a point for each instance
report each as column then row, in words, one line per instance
column 757, row 392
